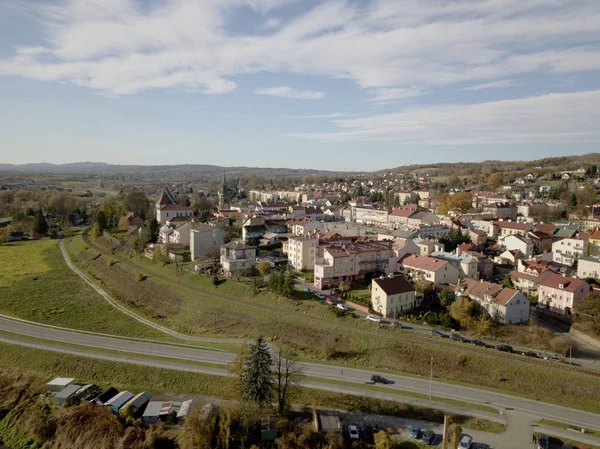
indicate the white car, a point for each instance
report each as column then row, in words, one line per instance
column 353, row 432
column 342, row 306
column 374, row 318
column 465, row 442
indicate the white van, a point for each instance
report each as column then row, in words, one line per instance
column 374, row 318
column 465, row 442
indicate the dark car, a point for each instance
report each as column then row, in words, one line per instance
column 428, row 437
column 368, row 433
column 437, row 333
column 415, row 433
column 478, row 343
column 456, row 337
column 399, row 325
column 530, row 354
column 379, row 380
column 480, row 446
column 542, row 442
column 504, row 348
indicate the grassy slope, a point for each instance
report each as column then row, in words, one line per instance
column 140, row 378
column 343, row 341
column 36, row 284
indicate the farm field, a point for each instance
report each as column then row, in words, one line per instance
column 315, row 333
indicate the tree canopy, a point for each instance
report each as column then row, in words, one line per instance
column 257, row 373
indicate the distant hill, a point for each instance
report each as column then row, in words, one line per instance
column 185, row 170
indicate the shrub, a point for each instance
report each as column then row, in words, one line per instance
column 140, row 277
column 111, row 262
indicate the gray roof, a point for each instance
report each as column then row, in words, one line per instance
column 153, row 408
column 67, row 392
column 120, row 400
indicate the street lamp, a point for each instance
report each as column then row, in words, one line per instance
column 430, row 377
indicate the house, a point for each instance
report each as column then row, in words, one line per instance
column 302, row 252
column 68, row 396
column 255, row 228
column 167, row 207
column 152, row 412
column 237, row 258
column 428, row 246
column 392, row 295
column 464, row 263
column 588, row 267
column 136, row 404
column 423, row 218
column 529, row 209
column 304, row 227
column 504, row 305
column 478, row 237
column 560, row 294
column 568, row 251
column 59, row 384
column 594, row 243
column 429, row 269
column 181, row 234
column 506, row 228
column 117, row 402
column 205, row 240
column 517, row 242
column 485, row 265
column 542, row 242
column 501, row 210
column 399, row 216
column 105, row 396
column 371, row 216
column 272, row 206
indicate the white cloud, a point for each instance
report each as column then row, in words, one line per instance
column 392, row 94
column 271, row 24
column 390, row 47
column 290, row 92
column 554, row 118
column 332, row 115
column 493, row 85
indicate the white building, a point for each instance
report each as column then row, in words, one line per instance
column 464, row 263
column 516, row 242
column 302, row 252
column 237, row 258
column 588, row 267
column 567, row 251
column 205, row 239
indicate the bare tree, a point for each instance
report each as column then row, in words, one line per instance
column 287, row 374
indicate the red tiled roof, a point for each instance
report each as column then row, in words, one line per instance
column 504, row 296
column 404, row 212
column 423, row 262
column 519, row 275
column 595, row 235
column 555, row 280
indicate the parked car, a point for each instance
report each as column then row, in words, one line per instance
column 428, row 437
column 465, row 442
column 552, row 357
column 374, row 318
column 530, row 354
column 353, row 432
column 480, row 446
column 456, row 337
column 320, row 296
column 342, row 306
column 478, row 343
column 542, row 442
column 307, row 290
column 437, row 333
column 415, row 432
column 504, row 348
column 379, row 379
column 368, row 433
column 330, row 301
column 399, row 325
column 566, row 446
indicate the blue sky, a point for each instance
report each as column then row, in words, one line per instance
column 342, row 85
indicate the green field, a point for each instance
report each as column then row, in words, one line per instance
column 310, row 327
column 37, row 285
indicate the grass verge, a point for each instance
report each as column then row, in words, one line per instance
column 565, row 426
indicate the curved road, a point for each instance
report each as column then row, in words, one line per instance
column 181, row 354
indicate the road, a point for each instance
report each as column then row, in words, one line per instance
column 182, row 354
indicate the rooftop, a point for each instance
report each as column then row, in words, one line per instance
column 423, row 262
column 394, row 285
column 555, row 280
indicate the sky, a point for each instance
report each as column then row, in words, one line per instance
column 332, row 84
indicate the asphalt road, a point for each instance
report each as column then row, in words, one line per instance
column 181, row 354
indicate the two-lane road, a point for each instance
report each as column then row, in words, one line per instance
column 181, row 354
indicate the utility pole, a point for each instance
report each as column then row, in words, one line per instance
column 41, row 327
column 430, row 378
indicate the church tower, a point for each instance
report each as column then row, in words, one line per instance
column 224, row 195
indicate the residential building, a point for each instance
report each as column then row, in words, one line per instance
column 506, row 228
column 433, row 231
column 464, row 263
column 370, row 216
column 405, row 197
column 255, row 228
column 568, row 251
column 352, row 262
column 272, row 206
column 560, row 294
column 501, row 210
column 542, row 242
column 237, row 258
column 485, row 265
column 167, row 208
column 304, row 227
column 527, row 274
column 205, row 239
column 478, row 237
column 181, row 234
column 504, row 305
column 517, row 242
column 392, row 295
column 529, row 209
column 399, row 216
column 429, row 269
column 594, row 243
column 302, row 252
column 428, row 246
column 423, row 218
column 588, row 267
column 481, row 199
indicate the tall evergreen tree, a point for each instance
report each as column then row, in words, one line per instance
column 40, row 225
column 257, row 374
column 153, row 229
